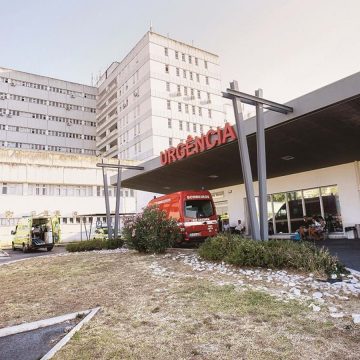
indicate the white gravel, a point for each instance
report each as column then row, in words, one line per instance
column 320, row 294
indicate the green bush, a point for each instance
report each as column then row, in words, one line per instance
column 277, row 254
column 94, row 244
column 151, row 231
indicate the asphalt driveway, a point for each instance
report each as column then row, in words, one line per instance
column 18, row 254
column 347, row 250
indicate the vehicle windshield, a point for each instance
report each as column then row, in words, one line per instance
column 198, row 209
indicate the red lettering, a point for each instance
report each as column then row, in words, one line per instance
column 189, row 146
column 219, row 136
column 208, row 138
column 180, row 151
column 163, row 157
column 200, row 144
column 171, row 155
column 228, row 133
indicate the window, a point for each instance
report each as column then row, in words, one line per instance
column 4, row 189
column 192, row 92
column 168, row 103
column 170, row 142
column 183, row 57
column 188, row 126
column 177, row 72
column 167, row 69
column 200, row 111
column 190, row 60
column 197, row 77
column 167, row 86
column 179, row 107
column 201, row 129
column 169, row 124
column 207, row 80
column 196, row 61
column 176, row 55
column 193, row 110
column 199, row 94
column 191, row 75
column 180, row 125
column 184, row 74
column 187, row 108
column 194, row 127
column 64, row 220
column 185, row 91
column 166, row 51
column 178, row 90
column 209, row 113
column 205, row 64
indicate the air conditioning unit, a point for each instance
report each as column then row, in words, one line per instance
column 68, row 108
column 72, row 96
column 12, row 84
column 68, row 123
column 2, row 97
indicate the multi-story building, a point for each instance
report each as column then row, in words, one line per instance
column 161, row 92
column 47, row 151
column 41, row 113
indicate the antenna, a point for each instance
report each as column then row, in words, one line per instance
column 151, row 27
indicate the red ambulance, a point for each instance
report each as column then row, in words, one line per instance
column 193, row 209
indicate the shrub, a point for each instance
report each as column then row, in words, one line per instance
column 277, row 254
column 151, row 231
column 94, row 244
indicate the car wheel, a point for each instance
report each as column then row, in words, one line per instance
column 13, row 246
column 49, row 248
column 25, row 249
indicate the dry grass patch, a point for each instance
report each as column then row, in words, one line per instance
column 156, row 317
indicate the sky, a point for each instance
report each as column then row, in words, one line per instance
column 286, row 47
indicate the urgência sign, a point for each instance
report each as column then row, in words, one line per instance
column 197, row 145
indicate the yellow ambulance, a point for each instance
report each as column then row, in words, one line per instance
column 36, row 232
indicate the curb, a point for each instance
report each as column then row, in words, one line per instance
column 89, row 314
column 65, row 339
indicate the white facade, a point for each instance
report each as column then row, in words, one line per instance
column 345, row 179
column 46, row 114
column 69, row 185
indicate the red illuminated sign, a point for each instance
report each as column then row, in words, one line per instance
column 197, row 145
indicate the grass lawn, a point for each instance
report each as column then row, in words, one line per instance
column 184, row 315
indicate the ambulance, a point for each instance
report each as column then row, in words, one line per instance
column 36, row 232
column 194, row 211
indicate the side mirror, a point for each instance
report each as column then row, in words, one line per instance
column 13, row 232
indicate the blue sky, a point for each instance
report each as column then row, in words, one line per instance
column 286, row 47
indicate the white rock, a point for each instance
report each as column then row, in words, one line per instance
column 314, row 307
column 317, row 295
column 332, row 309
column 337, row 315
column 356, row 318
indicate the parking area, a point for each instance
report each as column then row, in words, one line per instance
column 18, row 254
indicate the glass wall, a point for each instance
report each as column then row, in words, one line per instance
column 286, row 210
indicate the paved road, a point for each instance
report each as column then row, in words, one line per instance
column 347, row 250
column 18, row 254
column 32, row 345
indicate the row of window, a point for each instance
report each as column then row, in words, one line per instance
column 68, row 121
column 184, row 57
column 186, row 108
column 4, row 96
column 73, row 94
column 188, row 125
column 46, row 132
column 19, row 145
column 60, row 190
column 188, row 92
column 185, row 74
